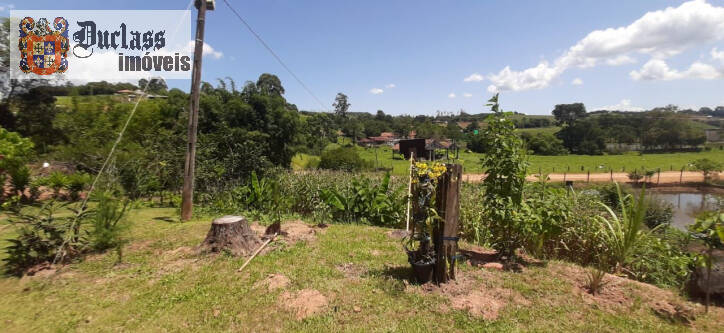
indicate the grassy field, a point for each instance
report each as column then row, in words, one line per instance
column 356, row 276
column 560, row 164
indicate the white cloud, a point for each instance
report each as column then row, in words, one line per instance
column 532, row 78
column 475, row 77
column 493, row 89
column 717, row 55
column 451, row 95
column 657, row 69
column 577, row 82
column 624, row 105
column 391, row 85
column 467, row 95
column 659, row 34
column 8, row 7
column 207, row 50
column 376, row 91
column 620, row 60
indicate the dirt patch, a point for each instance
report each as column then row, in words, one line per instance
column 397, row 234
column 274, row 282
column 291, row 232
column 620, row 294
column 298, row 231
column 138, row 246
column 352, row 271
column 466, row 293
column 304, row 303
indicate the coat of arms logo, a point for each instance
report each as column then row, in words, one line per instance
column 43, row 51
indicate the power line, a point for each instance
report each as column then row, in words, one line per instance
column 309, row 91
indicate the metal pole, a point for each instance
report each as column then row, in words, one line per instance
column 187, row 196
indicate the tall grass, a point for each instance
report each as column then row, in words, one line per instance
column 622, row 232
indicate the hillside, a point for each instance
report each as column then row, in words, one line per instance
column 339, row 278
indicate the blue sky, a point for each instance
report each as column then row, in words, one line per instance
column 413, row 57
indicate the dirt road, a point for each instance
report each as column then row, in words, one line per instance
column 666, row 177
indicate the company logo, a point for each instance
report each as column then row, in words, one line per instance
column 42, row 50
column 100, row 45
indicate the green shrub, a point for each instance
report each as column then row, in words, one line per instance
column 343, row 158
column 661, row 259
column 505, row 166
column 76, row 183
column 56, row 181
column 621, row 233
column 39, row 237
column 108, row 224
column 20, row 179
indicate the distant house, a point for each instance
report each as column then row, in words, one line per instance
column 385, row 138
column 131, row 95
column 426, row 149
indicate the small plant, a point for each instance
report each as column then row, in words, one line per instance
column 595, row 280
column 635, row 176
column 622, row 233
column 20, row 179
column 56, row 181
column 418, row 243
column 108, row 225
column 709, row 228
column 39, row 237
column 76, row 183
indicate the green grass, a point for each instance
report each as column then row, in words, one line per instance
column 154, row 290
column 559, row 164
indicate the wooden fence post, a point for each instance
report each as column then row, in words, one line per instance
column 445, row 233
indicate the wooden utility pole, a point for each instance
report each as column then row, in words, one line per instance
column 187, row 196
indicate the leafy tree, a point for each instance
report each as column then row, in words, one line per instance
column 505, row 165
column 544, row 143
column 342, row 158
column 583, row 137
column 567, row 114
column 35, row 118
column 269, row 84
column 341, row 106
column 707, row 167
column 155, row 85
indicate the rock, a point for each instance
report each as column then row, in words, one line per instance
column 357, row 309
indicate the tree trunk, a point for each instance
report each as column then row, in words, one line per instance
column 230, row 234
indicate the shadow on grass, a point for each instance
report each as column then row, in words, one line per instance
column 167, row 219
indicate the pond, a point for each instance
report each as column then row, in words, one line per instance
column 687, row 205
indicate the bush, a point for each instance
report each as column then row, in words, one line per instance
column 108, row 225
column 76, row 183
column 39, row 237
column 20, row 179
column 343, row 158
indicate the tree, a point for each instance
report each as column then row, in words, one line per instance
column 156, row 85
column 567, row 114
column 35, row 118
column 707, row 167
column 269, row 84
column 583, row 137
column 505, row 165
column 341, row 105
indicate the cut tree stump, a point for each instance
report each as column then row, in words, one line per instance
column 230, row 234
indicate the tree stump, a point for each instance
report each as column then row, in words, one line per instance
column 230, row 234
